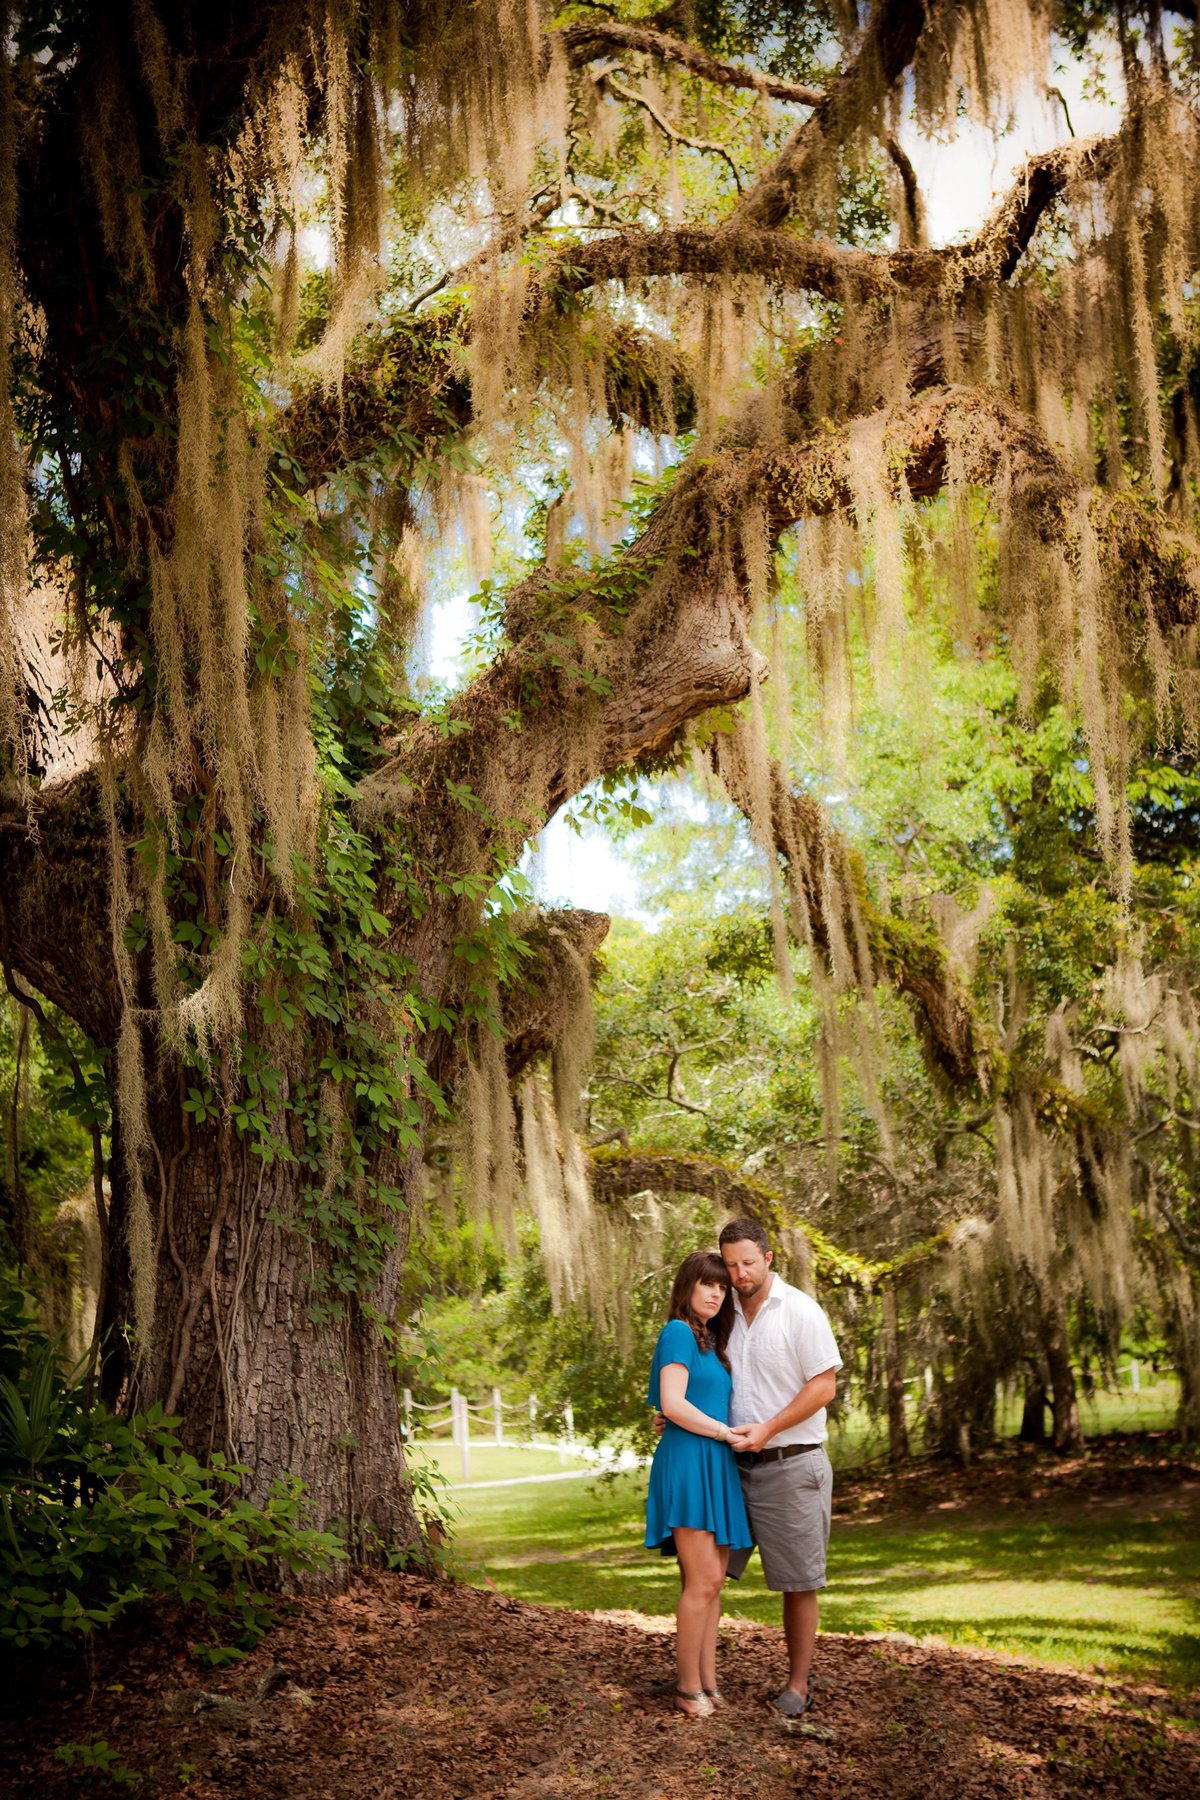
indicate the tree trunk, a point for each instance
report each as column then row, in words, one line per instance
column 1183, row 1332
column 1033, row 1414
column 1064, row 1401
column 898, row 1447
column 963, row 1418
column 259, row 1362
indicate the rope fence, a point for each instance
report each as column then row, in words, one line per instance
column 514, row 1423
column 503, row 1422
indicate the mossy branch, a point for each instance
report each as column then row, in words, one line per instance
column 596, row 37
column 746, row 246
column 532, row 1007
column 406, row 391
column 618, row 1174
column 852, row 97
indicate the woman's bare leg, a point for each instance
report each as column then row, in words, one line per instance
column 708, row 1651
column 702, row 1567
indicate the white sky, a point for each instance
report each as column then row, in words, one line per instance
column 960, row 181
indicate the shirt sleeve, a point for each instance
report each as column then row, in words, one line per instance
column 676, row 1344
column 814, row 1341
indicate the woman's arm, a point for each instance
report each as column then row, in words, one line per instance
column 672, row 1388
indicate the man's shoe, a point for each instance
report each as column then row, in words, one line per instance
column 792, row 1704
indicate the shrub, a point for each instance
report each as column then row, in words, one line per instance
column 100, row 1513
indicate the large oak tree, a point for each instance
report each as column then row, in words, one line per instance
column 283, row 289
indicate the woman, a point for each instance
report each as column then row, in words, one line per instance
column 694, row 1508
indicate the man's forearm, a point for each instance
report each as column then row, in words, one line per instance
column 815, row 1394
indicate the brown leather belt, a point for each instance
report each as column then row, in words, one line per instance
column 751, row 1457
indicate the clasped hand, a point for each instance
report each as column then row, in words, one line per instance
column 741, row 1437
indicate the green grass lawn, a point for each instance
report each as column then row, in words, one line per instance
column 1101, row 1589
column 490, row 1462
column 859, row 1439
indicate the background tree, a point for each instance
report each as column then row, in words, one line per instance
column 284, row 296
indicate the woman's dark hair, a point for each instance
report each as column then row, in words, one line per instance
column 710, row 1334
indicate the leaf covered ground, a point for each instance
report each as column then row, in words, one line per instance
column 410, row 1689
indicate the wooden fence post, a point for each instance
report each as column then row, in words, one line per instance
column 461, row 1427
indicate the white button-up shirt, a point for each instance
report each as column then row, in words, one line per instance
column 788, row 1342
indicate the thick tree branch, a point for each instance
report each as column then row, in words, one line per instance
column 851, row 99
column 816, row 265
column 606, row 672
column 1002, row 240
column 1003, row 451
column 620, row 1174
column 408, row 380
column 595, row 677
column 533, row 1008
column 593, row 38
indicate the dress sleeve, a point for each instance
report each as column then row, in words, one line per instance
column 676, row 1344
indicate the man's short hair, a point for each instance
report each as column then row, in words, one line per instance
column 740, row 1231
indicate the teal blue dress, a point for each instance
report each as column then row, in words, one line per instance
column 693, row 1479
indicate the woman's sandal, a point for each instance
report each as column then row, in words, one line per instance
column 693, row 1706
column 715, row 1698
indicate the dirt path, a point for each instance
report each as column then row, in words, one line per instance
column 406, row 1689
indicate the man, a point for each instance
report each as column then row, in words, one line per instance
column 785, row 1363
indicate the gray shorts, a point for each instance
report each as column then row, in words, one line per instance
column 789, row 1505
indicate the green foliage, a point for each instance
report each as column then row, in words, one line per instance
column 100, row 1514
column 49, row 1160
column 434, row 1507
column 695, row 1047
column 99, row 1762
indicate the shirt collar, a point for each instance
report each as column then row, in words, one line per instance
column 775, row 1291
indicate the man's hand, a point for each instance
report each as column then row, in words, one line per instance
column 660, row 1424
column 751, row 1437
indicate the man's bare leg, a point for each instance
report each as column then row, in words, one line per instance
column 800, row 1613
